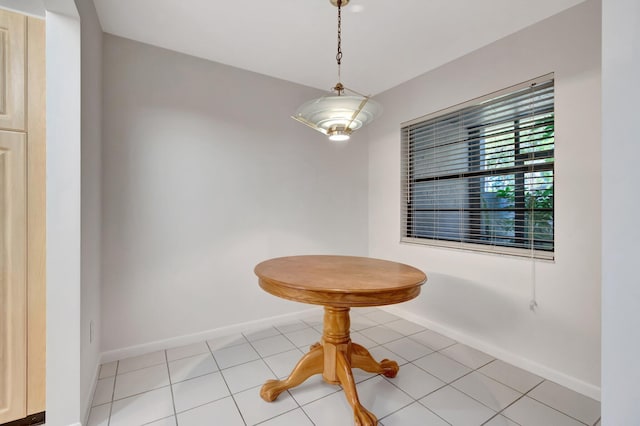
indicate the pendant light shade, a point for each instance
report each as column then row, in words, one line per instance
column 337, row 116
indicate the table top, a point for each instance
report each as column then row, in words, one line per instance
column 340, row 281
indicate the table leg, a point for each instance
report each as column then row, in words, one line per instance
column 361, row 358
column 309, row 365
column 361, row 415
column 338, row 360
column 334, row 358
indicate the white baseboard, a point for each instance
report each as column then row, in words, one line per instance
column 172, row 342
column 548, row 373
column 543, row 371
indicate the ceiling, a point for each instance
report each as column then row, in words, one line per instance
column 385, row 42
column 29, row 7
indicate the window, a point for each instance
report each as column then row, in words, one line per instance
column 479, row 175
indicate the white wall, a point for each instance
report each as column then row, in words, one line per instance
column 91, row 64
column 481, row 299
column 204, row 176
column 620, row 206
column 63, row 216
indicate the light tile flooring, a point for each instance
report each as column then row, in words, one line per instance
column 441, row 382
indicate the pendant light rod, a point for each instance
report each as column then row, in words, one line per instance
column 339, row 54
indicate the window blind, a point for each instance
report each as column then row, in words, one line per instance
column 480, row 176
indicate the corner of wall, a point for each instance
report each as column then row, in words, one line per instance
column 63, row 213
column 90, row 201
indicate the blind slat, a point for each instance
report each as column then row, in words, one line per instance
column 483, row 174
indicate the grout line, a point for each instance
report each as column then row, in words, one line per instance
column 514, row 402
column 173, row 401
column 415, row 401
column 470, row 396
column 226, row 346
column 237, row 365
column 201, row 405
column 185, row 357
column 305, row 325
column 338, row 390
column 276, row 416
column 307, row 415
column 445, row 347
column 138, row 356
column 553, row 408
column 436, row 414
column 139, row 393
column 142, row 368
column 510, row 387
column 153, row 421
column 182, row 359
column 192, row 378
column 290, row 341
column 225, row 383
column 499, row 413
column 445, row 384
column 113, row 393
column 259, row 338
column 400, row 356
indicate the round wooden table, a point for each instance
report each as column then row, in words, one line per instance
column 338, row 283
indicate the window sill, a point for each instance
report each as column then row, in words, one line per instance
column 484, row 249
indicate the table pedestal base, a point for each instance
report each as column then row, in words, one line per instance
column 334, row 358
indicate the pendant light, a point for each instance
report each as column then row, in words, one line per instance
column 338, row 115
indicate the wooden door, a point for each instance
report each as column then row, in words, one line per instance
column 22, row 217
column 12, row 70
column 36, row 217
column 13, row 278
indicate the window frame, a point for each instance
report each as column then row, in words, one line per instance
column 406, row 179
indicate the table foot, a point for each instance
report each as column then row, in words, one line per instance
column 361, row 415
column 361, row 358
column 334, row 358
column 311, row 363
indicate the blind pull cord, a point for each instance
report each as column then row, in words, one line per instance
column 533, row 303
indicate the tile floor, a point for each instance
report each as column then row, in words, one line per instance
column 441, row 382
